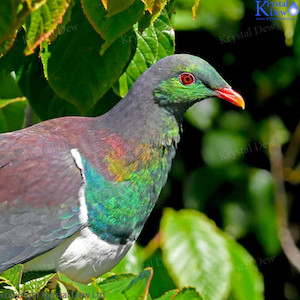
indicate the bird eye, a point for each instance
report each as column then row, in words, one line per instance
column 187, row 78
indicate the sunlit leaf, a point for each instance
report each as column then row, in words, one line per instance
column 13, row 277
column 112, row 27
column 34, row 286
column 247, row 282
column 43, row 22
column 116, row 6
column 154, row 43
column 196, row 253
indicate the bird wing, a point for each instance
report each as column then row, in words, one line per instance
column 39, row 207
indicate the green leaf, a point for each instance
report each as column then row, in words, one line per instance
column 63, row 26
column 76, row 70
column 261, row 194
column 115, row 285
column 13, row 277
column 161, row 281
column 12, row 115
column 13, row 14
column 116, row 6
column 221, row 148
column 34, row 286
column 188, row 294
column 139, row 287
column 63, row 292
column 9, row 61
column 43, row 100
column 8, row 14
column 168, row 295
column 196, row 253
column 111, row 27
column 79, row 289
column 43, row 22
column 8, row 86
column 154, row 7
column 247, row 282
column 155, row 42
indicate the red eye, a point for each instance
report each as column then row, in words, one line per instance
column 187, row 78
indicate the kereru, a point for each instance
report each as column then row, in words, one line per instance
column 75, row 192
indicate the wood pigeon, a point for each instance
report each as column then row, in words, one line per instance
column 75, row 192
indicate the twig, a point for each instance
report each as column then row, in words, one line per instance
column 293, row 149
column 281, row 202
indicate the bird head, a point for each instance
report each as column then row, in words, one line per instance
column 182, row 80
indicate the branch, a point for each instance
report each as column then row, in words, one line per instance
column 281, row 200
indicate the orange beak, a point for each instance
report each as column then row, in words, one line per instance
column 231, row 96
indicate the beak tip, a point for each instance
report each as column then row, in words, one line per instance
column 231, row 96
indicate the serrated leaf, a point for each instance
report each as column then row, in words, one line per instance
column 168, row 295
column 9, row 61
column 111, row 27
column 115, row 285
column 88, row 290
column 154, row 43
column 247, row 282
column 139, row 287
column 116, row 6
column 13, row 277
column 188, row 294
column 196, row 253
column 76, row 70
column 34, row 286
column 63, row 25
column 155, row 6
column 43, row 22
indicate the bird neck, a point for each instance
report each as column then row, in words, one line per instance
column 140, row 117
